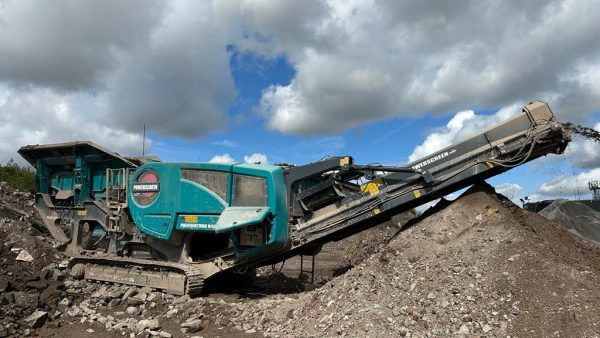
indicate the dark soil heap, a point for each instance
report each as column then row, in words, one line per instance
column 577, row 217
column 363, row 245
column 477, row 266
column 30, row 283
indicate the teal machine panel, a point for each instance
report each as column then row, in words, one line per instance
column 73, row 170
column 209, row 198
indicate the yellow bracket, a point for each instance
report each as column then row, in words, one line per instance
column 344, row 161
column 372, row 187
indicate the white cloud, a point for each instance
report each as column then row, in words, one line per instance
column 512, row 191
column 461, row 126
column 225, row 158
column 507, row 189
column 583, row 153
column 180, row 82
column 534, row 198
column 361, row 61
column 256, row 158
column 40, row 116
column 70, row 45
column 101, row 70
column 570, row 185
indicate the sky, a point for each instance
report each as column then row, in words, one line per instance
column 294, row 81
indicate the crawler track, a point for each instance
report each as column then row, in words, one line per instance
column 175, row 278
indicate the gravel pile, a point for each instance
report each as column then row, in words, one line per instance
column 478, row 266
column 363, row 245
column 576, row 217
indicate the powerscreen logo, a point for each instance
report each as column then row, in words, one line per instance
column 146, row 187
column 433, row 159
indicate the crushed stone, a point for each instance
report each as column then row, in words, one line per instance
column 576, row 217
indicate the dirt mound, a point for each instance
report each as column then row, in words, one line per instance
column 365, row 244
column 577, row 217
column 333, row 260
column 478, row 266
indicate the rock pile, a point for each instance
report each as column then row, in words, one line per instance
column 576, row 217
column 478, row 266
column 31, row 281
column 117, row 308
column 114, row 310
column 334, row 259
column 365, row 244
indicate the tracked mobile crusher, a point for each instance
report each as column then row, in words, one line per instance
column 173, row 225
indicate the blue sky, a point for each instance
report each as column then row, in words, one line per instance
column 293, row 81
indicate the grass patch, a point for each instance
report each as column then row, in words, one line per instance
column 18, row 177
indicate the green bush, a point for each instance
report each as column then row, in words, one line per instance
column 18, row 177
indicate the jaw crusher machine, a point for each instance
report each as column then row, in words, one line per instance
column 171, row 226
